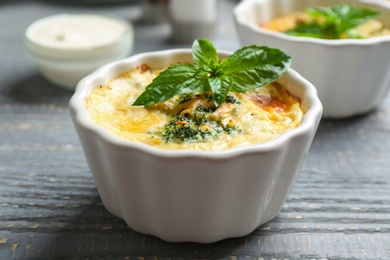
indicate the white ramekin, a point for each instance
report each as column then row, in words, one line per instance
column 352, row 76
column 185, row 195
column 67, row 66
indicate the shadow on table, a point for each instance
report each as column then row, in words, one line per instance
column 34, row 89
column 95, row 233
column 343, row 126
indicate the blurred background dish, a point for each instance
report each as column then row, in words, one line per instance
column 352, row 76
column 66, row 47
column 193, row 19
column 154, row 11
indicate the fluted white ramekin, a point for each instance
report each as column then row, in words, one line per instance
column 352, row 76
column 188, row 195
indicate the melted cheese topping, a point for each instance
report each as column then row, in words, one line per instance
column 260, row 115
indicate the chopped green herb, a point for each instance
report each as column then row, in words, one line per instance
column 187, row 129
column 202, row 109
column 196, row 127
column 185, row 99
column 231, row 99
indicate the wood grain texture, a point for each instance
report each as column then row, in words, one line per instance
column 339, row 207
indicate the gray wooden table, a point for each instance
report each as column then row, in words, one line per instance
column 50, row 208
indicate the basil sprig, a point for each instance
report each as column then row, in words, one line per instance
column 246, row 69
column 333, row 22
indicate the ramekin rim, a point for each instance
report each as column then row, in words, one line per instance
column 81, row 117
column 241, row 7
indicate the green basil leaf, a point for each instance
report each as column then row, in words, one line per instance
column 246, row 69
column 356, row 16
column 254, row 66
column 311, row 30
column 326, row 14
column 175, row 80
column 220, row 87
column 204, row 54
column 332, row 22
column 326, row 29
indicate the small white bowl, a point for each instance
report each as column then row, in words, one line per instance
column 66, row 49
column 184, row 195
column 352, row 76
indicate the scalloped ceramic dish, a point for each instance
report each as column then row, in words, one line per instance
column 197, row 196
column 352, row 76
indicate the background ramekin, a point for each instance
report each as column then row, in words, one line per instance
column 66, row 67
column 197, row 196
column 352, row 76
